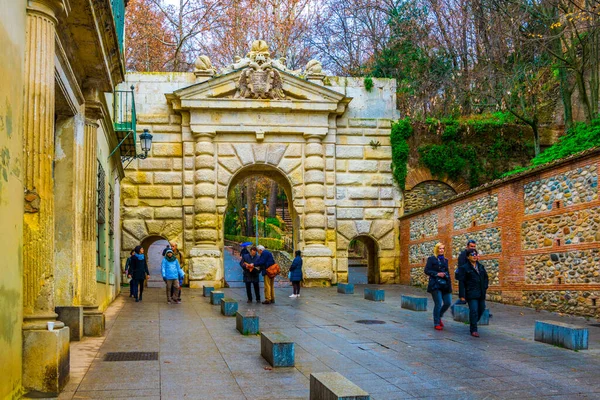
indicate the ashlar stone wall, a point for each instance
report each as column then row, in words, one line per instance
column 538, row 232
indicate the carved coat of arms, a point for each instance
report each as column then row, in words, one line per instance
column 260, row 80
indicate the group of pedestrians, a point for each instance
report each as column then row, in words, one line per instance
column 136, row 268
column 256, row 261
column 472, row 280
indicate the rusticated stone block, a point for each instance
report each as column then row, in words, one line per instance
column 229, row 307
column 333, row 386
column 560, row 334
column 345, row 288
column 277, row 349
column 461, row 314
column 247, row 323
column 206, row 290
column 415, row 303
column 375, row 294
column 46, row 360
column 73, row 318
column 216, row 297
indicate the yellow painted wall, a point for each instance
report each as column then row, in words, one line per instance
column 12, row 54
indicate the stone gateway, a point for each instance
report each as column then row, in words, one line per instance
column 325, row 140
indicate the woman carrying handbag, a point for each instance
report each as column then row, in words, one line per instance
column 439, row 285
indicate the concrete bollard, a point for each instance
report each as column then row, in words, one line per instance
column 375, row 294
column 345, row 288
column 206, row 290
column 215, row 297
column 333, row 386
column 415, row 303
column 247, row 323
column 461, row 314
column 277, row 349
column 229, row 307
column 560, row 334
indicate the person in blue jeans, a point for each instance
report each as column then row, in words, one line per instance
column 462, row 259
column 476, row 281
column 439, row 284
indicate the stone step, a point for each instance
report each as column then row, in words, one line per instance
column 206, row 290
column 414, row 303
column 277, row 349
column 229, row 307
column 562, row 335
column 215, row 297
column 247, row 323
column 345, row 288
column 334, row 386
column 375, row 294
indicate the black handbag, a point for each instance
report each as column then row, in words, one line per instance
column 441, row 283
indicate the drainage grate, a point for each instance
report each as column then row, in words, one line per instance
column 370, row 322
column 131, row 356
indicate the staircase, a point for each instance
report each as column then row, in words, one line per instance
column 284, row 214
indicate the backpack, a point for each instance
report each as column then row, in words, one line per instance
column 273, row 270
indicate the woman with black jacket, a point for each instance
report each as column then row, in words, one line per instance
column 476, row 281
column 138, row 271
column 439, row 285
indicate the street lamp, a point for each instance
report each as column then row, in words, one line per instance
column 146, row 144
column 264, row 216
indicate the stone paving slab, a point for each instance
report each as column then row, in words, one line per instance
column 202, row 356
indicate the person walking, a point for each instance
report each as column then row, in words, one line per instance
column 462, row 259
column 171, row 273
column 439, row 285
column 476, row 281
column 127, row 265
column 266, row 260
column 296, row 274
column 251, row 273
column 138, row 271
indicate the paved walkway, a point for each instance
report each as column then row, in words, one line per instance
column 202, row 356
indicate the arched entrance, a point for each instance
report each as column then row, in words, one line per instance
column 153, row 248
column 363, row 261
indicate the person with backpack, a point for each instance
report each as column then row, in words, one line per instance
column 439, row 285
column 269, row 270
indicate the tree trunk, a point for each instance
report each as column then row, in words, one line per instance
column 250, row 202
column 273, row 199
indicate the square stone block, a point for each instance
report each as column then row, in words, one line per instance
column 345, row 288
column 46, row 360
column 247, row 323
column 560, row 334
column 216, row 297
column 334, row 386
column 415, row 303
column 277, row 349
column 72, row 316
column 206, row 290
column 229, row 307
column 461, row 314
column 93, row 324
column 375, row 294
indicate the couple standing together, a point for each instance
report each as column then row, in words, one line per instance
column 473, row 284
column 257, row 261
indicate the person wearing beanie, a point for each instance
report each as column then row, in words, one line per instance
column 171, row 273
column 439, row 284
column 138, row 271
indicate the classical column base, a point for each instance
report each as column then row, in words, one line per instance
column 46, row 360
column 317, row 265
column 93, row 322
column 72, row 316
column 205, row 267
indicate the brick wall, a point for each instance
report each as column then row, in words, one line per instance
column 538, row 232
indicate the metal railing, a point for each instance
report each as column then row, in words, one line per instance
column 118, row 8
column 124, row 121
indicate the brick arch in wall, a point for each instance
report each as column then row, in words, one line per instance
column 423, row 190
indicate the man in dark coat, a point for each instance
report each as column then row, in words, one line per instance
column 251, row 273
column 476, row 281
column 462, row 259
column 265, row 260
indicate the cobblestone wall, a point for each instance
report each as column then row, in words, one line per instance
column 570, row 228
column 424, row 226
column 420, row 252
column 570, row 267
column 479, row 212
column 488, row 241
column 418, row 277
column 426, row 194
column 579, row 185
column 539, row 233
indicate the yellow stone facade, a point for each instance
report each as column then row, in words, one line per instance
column 325, row 140
column 56, row 134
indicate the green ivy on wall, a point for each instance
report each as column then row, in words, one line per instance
column 401, row 131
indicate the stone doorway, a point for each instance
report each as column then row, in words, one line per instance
column 363, row 266
column 153, row 248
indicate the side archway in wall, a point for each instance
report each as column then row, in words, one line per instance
column 370, row 260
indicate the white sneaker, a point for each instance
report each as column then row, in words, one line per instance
column 298, row 295
column 292, row 295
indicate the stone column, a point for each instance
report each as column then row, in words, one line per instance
column 205, row 256
column 317, row 255
column 45, row 353
column 93, row 319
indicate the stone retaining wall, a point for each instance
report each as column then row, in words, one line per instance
column 538, row 232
